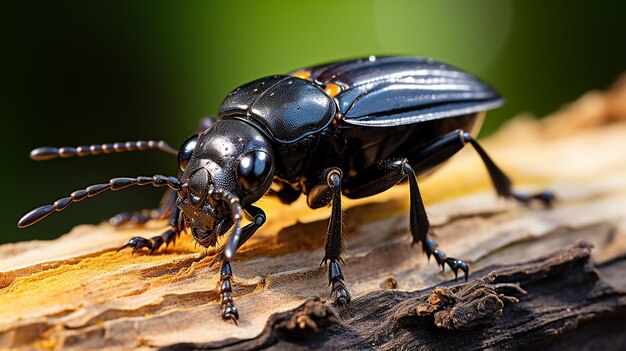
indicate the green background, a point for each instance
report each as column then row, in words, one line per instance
column 90, row 72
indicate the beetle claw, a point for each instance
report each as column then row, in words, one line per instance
column 153, row 244
column 430, row 249
column 440, row 257
column 137, row 243
column 547, row 198
column 455, row 265
column 230, row 313
column 341, row 295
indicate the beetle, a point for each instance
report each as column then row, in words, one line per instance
column 353, row 128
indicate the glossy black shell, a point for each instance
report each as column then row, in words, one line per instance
column 386, row 107
column 287, row 108
column 392, row 91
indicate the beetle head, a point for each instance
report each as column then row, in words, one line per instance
column 231, row 159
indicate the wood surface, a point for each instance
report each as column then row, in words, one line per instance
column 77, row 292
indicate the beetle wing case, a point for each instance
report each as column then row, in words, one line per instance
column 395, row 91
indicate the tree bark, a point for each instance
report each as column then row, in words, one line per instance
column 77, row 292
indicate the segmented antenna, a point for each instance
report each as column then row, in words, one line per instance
column 114, row 184
column 49, row 152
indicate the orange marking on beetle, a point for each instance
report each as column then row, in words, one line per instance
column 332, row 90
column 302, row 74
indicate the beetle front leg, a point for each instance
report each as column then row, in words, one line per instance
column 320, row 195
column 154, row 243
column 228, row 308
column 229, row 311
column 258, row 218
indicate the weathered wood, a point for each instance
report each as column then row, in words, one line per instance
column 563, row 302
column 77, row 292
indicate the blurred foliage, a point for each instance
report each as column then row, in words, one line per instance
column 76, row 72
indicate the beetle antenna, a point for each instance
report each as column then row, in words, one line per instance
column 114, row 184
column 236, row 215
column 49, row 152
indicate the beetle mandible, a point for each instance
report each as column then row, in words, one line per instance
column 352, row 128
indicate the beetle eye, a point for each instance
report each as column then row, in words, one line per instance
column 184, row 154
column 254, row 168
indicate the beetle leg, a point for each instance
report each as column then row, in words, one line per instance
column 156, row 242
column 502, row 183
column 320, row 195
column 229, row 311
column 420, row 227
column 446, row 146
column 151, row 244
column 258, row 218
column 386, row 174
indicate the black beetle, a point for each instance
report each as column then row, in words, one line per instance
column 355, row 127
